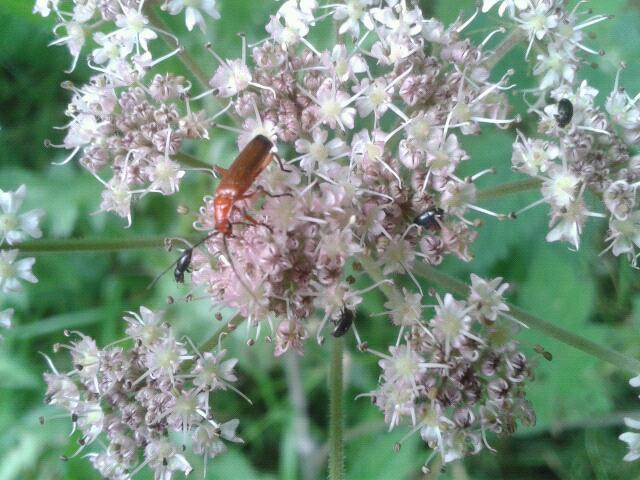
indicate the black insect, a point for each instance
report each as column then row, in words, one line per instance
column 182, row 265
column 344, row 322
column 565, row 113
column 429, row 218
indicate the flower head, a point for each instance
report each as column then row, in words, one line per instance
column 16, row 227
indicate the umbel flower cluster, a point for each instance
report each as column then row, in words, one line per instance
column 582, row 147
column 458, row 375
column 370, row 134
column 148, row 400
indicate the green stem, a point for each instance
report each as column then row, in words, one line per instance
column 508, row 188
column 86, row 245
column 461, row 289
column 454, row 285
column 229, row 327
column 184, row 57
column 510, row 41
column 336, row 446
column 190, row 161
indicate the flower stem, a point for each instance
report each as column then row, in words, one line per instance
column 86, row 245
column 510, row 41
column 336, row 441
column 454, row 285
column 191, row 161
column 184, row 57
column 212, row 342
column 459, row 288
column 508, row 188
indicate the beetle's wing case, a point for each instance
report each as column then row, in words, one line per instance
column 249, row 163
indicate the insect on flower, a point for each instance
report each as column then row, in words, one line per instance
column 238, row 178
column 182, row 265
column 430, row 218
column 565, row 112
column 344, row 322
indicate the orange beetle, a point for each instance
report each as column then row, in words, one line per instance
column 238, row 178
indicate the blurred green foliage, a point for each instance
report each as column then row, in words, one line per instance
column 580, row 402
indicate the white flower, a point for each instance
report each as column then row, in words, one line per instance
column 486, row 297
column 192, row 14
column 319, row 150
column 568, row 223
column 624, row 235
column 165, row 175
column 296, row 23
column 559, row 188
column 44, row 7
column 111, row 48
column 133, row 28
column 556, row 65
column 333, row 109
column 533, row 157
column 345, row 65
column 353, row 12
column 623, row 110
column 14, row 227
column 117, row 198
column 74, row 39
column 632, row 440
column 11, row 273
column 163, row 457
column 230, row 78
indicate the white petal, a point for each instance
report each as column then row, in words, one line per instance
column 29, row 222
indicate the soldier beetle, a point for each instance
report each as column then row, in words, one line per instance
column 238, row 178
column 234, row 184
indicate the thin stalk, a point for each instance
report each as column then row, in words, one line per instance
column 336, row 420
column 190, row 161
column 510, row 41
column 86, row 245
column 509, row 188
column 459, row 288
column 212, row 342
column 184, row 57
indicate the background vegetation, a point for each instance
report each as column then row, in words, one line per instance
column 580, row 402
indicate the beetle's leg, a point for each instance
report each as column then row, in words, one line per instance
column 255, row 222
column 261, row 189
column 280, row 163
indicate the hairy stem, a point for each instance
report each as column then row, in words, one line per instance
column 459, row 288
column 305, row 445
column 86, row 245
column 336, row 445
column 509, row 188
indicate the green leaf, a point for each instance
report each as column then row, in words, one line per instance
column 234, row 465
column 558, row 290
column 373, row 457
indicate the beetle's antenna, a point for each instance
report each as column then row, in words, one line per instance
column 233, row 267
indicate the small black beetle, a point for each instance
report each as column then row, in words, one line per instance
column 344, row 322
column 182, row 265
column 565, row 113
column 429, row 218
